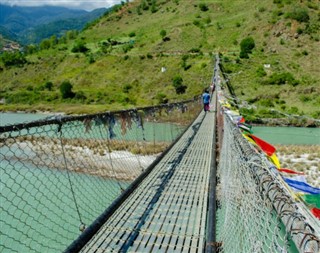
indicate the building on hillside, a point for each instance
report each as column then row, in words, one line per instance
column 10, row 47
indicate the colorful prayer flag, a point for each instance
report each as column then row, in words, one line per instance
column 245, row 128
column 265, row 146
column 274, row 159
column 300, row 185
column 290, row 171
column 316, row 212
column 311, row 199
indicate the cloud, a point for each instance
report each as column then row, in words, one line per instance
column 77, row 4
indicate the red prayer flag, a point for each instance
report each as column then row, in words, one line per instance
column 242, row 120
column 291, row 171
column 265, row 146
column 316, row 212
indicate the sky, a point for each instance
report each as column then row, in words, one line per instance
column 87, row 5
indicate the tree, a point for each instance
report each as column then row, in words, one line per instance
column 203, row 7
column 48, row 85
column 30, row 49
column 300, row 15
column 163, row 33
column 45, row 44
column 66, row 90
column 153, row 7
column 246, row 46
column 13, row 59
column 79, row 47
column 53, row 40
column 72, row 34
column 178, row 85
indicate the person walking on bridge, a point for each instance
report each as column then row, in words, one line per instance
column 206, row 100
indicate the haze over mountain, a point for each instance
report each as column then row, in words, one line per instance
column 149, row 52
column 32, row 24
column 88, row 5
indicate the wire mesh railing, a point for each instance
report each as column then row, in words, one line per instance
column 256, row 211
column 59, row 174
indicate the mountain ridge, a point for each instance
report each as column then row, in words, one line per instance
column 25, row 22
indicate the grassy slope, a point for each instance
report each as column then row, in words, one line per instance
column 221, row 29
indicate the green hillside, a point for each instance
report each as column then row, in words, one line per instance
column 118, row 61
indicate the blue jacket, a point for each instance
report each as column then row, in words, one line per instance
column 206, row 98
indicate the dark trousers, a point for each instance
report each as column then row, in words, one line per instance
column 206, row 107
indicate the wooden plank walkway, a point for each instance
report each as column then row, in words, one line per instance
column 168, row 211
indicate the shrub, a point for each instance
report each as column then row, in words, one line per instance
column 139, row 10
column 66, row 90
column 312, row 28
column 267, row 113
column 282, row 78
column 79, row 47
column 45, row 44
column 244, row 55
column 126, row 48
column 207, row 20
column 300, row 15
column 299, row 30
column 91, row 59
column 305, row 98
column 277, row 13
column 196, row 22
column 246, row 46
column 48, row 85
column 30, row 49
column 153, row 7
column 178, row 84
column 219, row 26
column 249, row 114
column 29, row 88
column 266, row 102
column 293, row 110
column 203, row 7
column 162, row 98
column 316, row 114
column 144, row 6
column 132, row 34
column 80, row 96
column 261, row 72
column 195, row 50
column 23, row 96
column 185, row 66
column 126, row 88
column 261, row 9
column 13, row 59
column 163, row 33
column 185, row 57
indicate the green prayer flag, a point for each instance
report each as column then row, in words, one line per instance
column 312, row 199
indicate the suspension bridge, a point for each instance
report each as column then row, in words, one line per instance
column 167, row 178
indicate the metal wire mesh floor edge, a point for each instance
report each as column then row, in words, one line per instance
column 167, row 212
